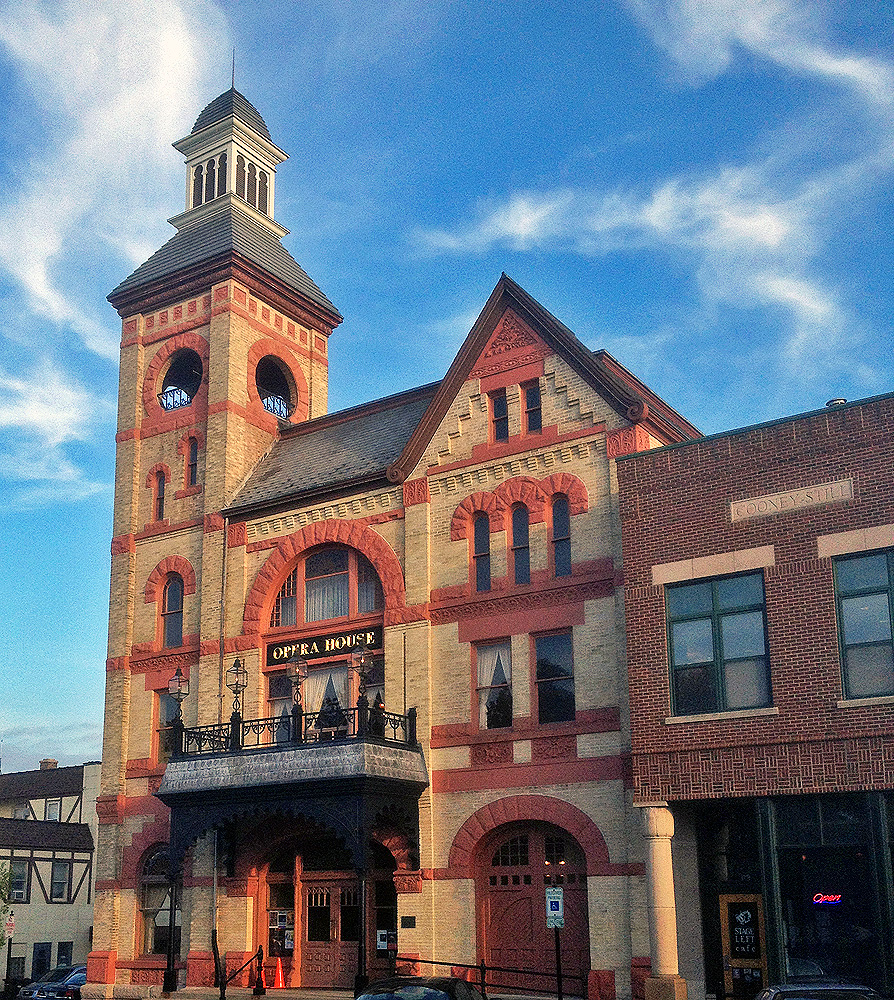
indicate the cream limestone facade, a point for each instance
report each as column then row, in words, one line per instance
column 366, row 694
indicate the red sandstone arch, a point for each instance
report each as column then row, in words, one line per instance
column 183, row 443
column 524, row 808
column 159, row 576
column 522, row 489
column 194, row 342
column 571, row 486
column 466, row 511
column 154, row 471
column 263, row 348
column 352, row 533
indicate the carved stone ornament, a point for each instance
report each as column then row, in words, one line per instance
column 511, row 335
column 627, row 440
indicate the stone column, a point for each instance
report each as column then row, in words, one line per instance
column 665, row 982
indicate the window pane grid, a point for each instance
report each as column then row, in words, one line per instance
column 864, row 588
column 500, row 415
column 533, row 418
column 718, row 645
column 521, row 551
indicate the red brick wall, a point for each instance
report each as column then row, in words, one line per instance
column 675, row 505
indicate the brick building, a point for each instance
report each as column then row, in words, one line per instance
column 759, row 581
column 400, row 626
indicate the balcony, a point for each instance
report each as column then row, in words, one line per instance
column 291, row 764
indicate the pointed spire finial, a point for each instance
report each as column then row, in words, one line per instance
column 234, row 68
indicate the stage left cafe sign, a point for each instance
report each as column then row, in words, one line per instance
column 318, row 647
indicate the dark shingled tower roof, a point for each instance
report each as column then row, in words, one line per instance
column 218, row 236
column 232, row 103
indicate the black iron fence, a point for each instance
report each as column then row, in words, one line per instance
column 496, row 977
column 297, row 729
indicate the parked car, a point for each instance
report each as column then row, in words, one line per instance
column 64, row 981
column 421, row 988
column 823, row 989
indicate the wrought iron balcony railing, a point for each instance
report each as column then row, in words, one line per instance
column 298, row 729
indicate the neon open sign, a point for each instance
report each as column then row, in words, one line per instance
column 821, row 899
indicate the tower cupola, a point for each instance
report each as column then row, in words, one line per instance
column 230, row 157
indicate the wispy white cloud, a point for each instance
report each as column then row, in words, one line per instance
column 105, row 86
column 753, row 233
column 42, row 410
column 110, row 89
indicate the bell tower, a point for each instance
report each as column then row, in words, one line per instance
column 224, row 344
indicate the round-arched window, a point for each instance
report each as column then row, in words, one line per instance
column 155, row 904
column 181, row 381
column 275, row 387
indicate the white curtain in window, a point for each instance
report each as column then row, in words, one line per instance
column 326, row 597
column 494, row 670
column 317, row 683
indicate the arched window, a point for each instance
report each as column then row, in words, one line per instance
column 221, row 174
column 561, row 536
column 210, row 179
column 481, row 552
column 274, row 384
column 252, row 194
column 197, row 186
column 192, row 463
column 155, row 904
column 521, row 551
column 159, row 499
column 240, row 175
column 181, row 380
column 172, row 612
column 332, row 582
column 262, row 191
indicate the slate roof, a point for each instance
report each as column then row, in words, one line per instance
column 46, row 835
column 51, row 783
column 231, row 103
column 328, row 453
column 215, row 236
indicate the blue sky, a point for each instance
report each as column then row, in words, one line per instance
column 701, row 187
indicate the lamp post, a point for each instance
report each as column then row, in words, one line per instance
column 362, row 661
column 178, row 689
column 237, row 681
column 296, row 670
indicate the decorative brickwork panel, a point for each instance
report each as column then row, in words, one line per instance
column 491, row 753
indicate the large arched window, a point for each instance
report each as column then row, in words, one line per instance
column 331, row 582
column 182, row 380
column 172, row 612
column 336, row 585
column 155, row 904
column 274, row 384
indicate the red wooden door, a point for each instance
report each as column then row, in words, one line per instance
column 513, row 874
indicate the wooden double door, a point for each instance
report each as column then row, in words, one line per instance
column 315, row 926
column 514, row 870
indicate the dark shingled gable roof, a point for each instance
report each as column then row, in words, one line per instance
column 331, row 452
column 231, row 103
column 49, row 783
column 46, row 835
column 226, row 232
